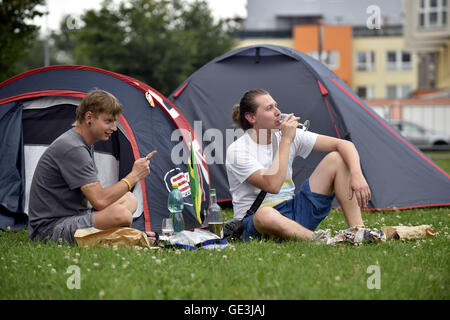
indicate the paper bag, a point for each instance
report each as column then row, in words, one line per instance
column 128, row 237
column 408, row 233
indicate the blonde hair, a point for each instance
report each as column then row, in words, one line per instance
column 247, row 104
column 98, row 101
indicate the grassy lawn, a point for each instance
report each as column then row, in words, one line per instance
column 256, row 270
column 416, row 269
column 442, row 159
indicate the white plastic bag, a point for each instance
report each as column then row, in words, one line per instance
column 196, row 239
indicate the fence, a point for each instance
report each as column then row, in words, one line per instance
column 430, row 114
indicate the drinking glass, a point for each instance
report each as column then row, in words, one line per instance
column 302, row 126
column 167, row 227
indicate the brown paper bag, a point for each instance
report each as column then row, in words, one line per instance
column 128, row 237
column 408, row 233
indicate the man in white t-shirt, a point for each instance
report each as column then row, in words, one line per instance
column 252, row 166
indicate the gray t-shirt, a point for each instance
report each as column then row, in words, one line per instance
column 66, row 165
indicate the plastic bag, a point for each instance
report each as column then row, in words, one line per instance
column 197, row 239
column 357, row 236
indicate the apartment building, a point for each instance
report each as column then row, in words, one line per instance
column 369, row 58
column 383, row 68
column 427, row 33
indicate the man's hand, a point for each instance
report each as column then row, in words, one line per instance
column 359, row 188
column 289, row 127
column 141, row 167
column 101, row 197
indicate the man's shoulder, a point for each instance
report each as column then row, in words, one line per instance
column 67, row 146
column 68, row 140
column 70, row 136
column 238, row 143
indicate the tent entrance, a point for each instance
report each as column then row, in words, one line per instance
column 45, row 119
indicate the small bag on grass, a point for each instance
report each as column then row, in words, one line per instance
column 127, row 237
column 409, row 233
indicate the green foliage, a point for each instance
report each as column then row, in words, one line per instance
column 158, row 42
column 16, row 33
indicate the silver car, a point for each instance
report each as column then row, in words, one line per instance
column 421, row 137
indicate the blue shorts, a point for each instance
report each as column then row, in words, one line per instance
column 307, row 208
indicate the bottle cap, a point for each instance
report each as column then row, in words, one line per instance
column 174, row 185
column 213, row 191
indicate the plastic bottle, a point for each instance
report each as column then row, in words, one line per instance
column 175, row 205
column 215, row 217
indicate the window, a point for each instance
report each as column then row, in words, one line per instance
column 398, row 91
column 366, row 92
column 329, row 58
column 413, row 129
column 398, row 61
column 432, row 14
column 365, row 61
column 391, row 92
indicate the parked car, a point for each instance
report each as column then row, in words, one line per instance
column 421, row 137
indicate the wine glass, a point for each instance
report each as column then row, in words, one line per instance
column 302, row 126
column 167, row 227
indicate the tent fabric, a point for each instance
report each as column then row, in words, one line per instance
column 42, row 104
column 11, row 163
column 399, row 175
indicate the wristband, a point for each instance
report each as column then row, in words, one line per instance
column 128, row 183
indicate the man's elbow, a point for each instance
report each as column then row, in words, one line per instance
column 343, row 142
column 273, row 189
column 271, row 185
column 99, row 204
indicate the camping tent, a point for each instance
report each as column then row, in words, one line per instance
column 39, row 105
column 400, row 176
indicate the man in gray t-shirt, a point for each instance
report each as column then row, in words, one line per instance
column 67, row 164
column 65, row 179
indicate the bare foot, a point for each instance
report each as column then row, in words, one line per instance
column 152, row 237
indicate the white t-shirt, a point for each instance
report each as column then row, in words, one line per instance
column 245, row 156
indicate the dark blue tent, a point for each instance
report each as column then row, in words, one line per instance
column 39, row 105
column 400, row 176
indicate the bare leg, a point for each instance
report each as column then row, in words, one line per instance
column 333, row 175
column 118, row 214
column 270, row 222
column 129, row 201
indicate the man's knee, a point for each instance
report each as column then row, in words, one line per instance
column 129, row 196
column 130, row 202
column 122, row 216
column 335, row 158
column 267, row 218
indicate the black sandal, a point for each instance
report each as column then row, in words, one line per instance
column 155, row 243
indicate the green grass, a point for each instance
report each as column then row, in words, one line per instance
column 416, row 269
column 256, row 270
column 442, row 159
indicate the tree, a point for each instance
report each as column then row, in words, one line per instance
column 34, row 58
column 158, row 42
column 16, row 32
